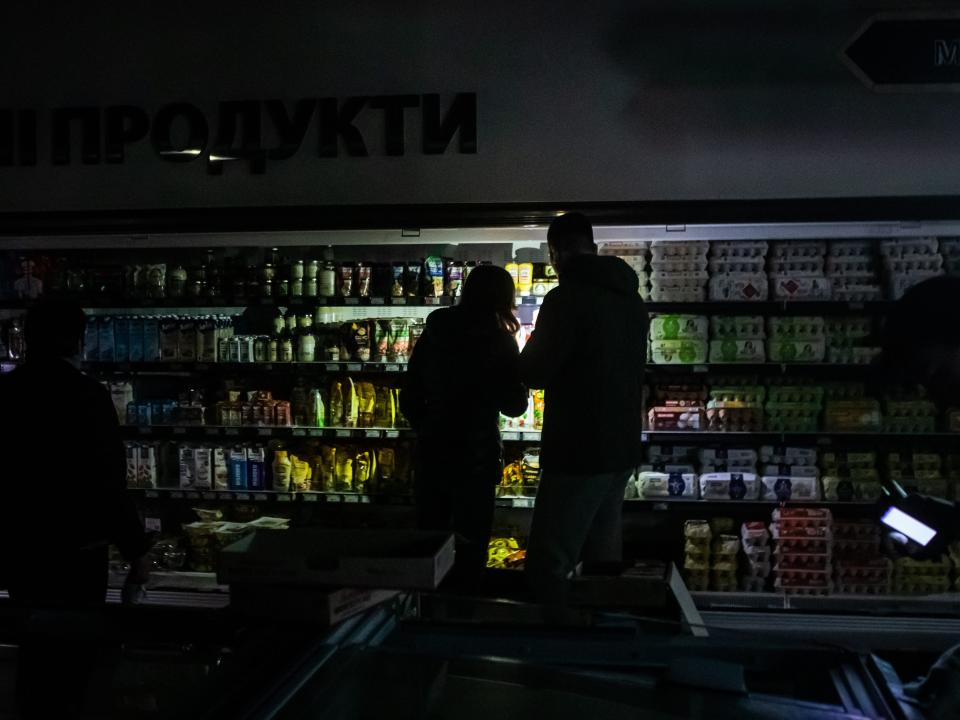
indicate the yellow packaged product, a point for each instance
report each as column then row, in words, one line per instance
column 343, row 474
column 366, row 403
column 351, row 404
column 386, row 462
column 385, row 408
column 336, row 405
column 363, row 465
column 300, row 474
column 327, row 468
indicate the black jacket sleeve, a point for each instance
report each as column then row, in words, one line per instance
column 123, row 525
column 550, row 345
column 413, row 403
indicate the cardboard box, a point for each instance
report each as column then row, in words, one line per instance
column 324, row 606
column 404, row 559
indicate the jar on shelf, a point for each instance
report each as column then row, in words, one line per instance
column 327, row 281
column 177, row 282
column 297, row 270
column 311, row 270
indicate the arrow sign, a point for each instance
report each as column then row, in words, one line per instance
column 898, row 52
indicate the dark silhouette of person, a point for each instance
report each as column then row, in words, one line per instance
column 64, row 500
column 587, row 352
column 462, row 374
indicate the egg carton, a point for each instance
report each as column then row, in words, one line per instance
column 858, row 293
column 900, row 283
column 796, row 327
column 678, row 327
column 853, row 355
column 793, row 487
column 679, row 250
column 623, row 248
column 848, row 327
column 690, row 351
column 729, row 486
column 747, row 394
column 745, row 327
column 906, row 247
column 670, row 452
column 811, row 287
column 738, row 249
column 852, row 249
column 738, row 288
column 806, row 394
column 737, row 351
column 675, row 486
column 786, row 350
column 798, row 266
column 852, row 267
column 679, row 276
column 950, row 247
column 798, row 249
column 788, row 455
column 915, row 264
column 678, row 294
column 792, row 411
column 638, row 264
column 741, row 266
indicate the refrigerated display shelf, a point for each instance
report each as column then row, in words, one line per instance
column 660, row 504
column 771, row 307
column 216, row 432
column 822, row 437
column 121, row 303
column 943, row 604
column 230, row 368
column 272, row 496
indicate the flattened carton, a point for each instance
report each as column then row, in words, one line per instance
column 396, row 559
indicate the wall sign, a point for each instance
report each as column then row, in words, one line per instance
column 898, row 52
column 239, row 132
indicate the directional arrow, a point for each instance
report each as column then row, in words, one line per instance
column 907, row 52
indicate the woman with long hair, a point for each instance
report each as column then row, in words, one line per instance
column 461, row 376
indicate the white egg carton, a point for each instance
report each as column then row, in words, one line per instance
column 791, row 266
column 738, row 249
column 678, row 277
column 679, row 486
column 798, row 249
column 636, row 262
column 621, row 248
column 852, row 249
column 906, row 247
column 679, row 295
column 914, row 264
column 855, row 290
column 788, row 455
column 950, row 247
column 678, row 249
column 737, row 327
column 787, row 287
column 739, row 288
column 681, row 265
column 729, row 486
column 790, row 488
column 851, row 267
column 751, row 266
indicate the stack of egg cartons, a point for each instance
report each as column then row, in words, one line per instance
column 858, row 566
column 677, row 408
column 910, row 261
column 849, row 340
column 804, row 550
column 728, row 474
column 737, row 270
column 633, row 253
column 737, row 339
column 755, row 539
column 737, row 408
column 668, row 474
column 853, row 272
column 696, row 554
column 950, row 249
column 850, row 476
column 921, row 577
column 793, row 408
column 679, row 271
column 723, row 560
column 919, row 472
column 678, row 339
column 909, row 411
column 796, row 339
column 793, row 473
column 796, row 270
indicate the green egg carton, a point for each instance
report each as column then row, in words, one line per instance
column 812, row 394
column 751, row 394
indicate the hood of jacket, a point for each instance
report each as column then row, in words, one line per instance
column 604, row 271
column 461, row 323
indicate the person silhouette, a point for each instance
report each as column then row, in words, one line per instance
column 587, row 352
column 462, row 374
column 63, row 482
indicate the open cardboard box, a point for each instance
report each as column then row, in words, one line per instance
column 383, row 559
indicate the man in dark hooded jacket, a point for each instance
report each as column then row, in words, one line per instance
column 587, row 353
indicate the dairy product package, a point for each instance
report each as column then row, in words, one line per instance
column 810, row 471
column 797, row 249
column 670, row 249
column 679, row 327
column 676, row 418
column 678, row 352
column 677, row 294
column 221, row 476
column 147, row 466
column 737, row 266
column 188, row 467
column 679, row 486
column 203, row 468
column 788, row 455
column 105, row 339
column 782, row 489
column 789, row 287
column 729, row 486
column 739, row 287
column 738, row 249
column 737, row 351
column 737, row 327
column 717, row 455
column 802, row 351
column 132, row 451
column 800, row 327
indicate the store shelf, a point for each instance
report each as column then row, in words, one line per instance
column 945, row 604
column 822, row 370
column 788, row 307
column 270, row 496
column 232, row 369
column 217, row 432
column 120, row 303
column 664, row 504
column 777, row 438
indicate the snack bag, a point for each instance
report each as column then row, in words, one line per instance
column 300, row 474
column 385, row 408
column 327, row 466
column 362, row 466
column 383, row 339
column 366, row 403
column 399, row 349
column 343, row 474
column 351, row 404
column 386, row 461
column 336, row 404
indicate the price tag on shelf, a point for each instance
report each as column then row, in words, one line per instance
column 391, row 434
column 316, row 432
column 309, row 496
column 372, row 433
column 299, row 433
column 210, row 431
column 351, row 498
column 398, row 301
column 523, row 502
column 824, row 441
column 343, row 433
column 264, row 432
column 152, row 494
column 351, row 301
column 700, row 368
column 284, row 497
column 176, row 495
column 376, row 301
column 392, row 368
column 231, row 432
column 333, row 498
column 365, row 499
column 643, row 438
column 192, row 495
column 152, row 525
column 144, row 429
column 260, row 497
column 242, row 496
column 354, row 367
column 510, row 435
column 209, row 495
column 431, row 301
column 531, row 436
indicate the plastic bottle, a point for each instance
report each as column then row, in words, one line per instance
column 281, row 471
